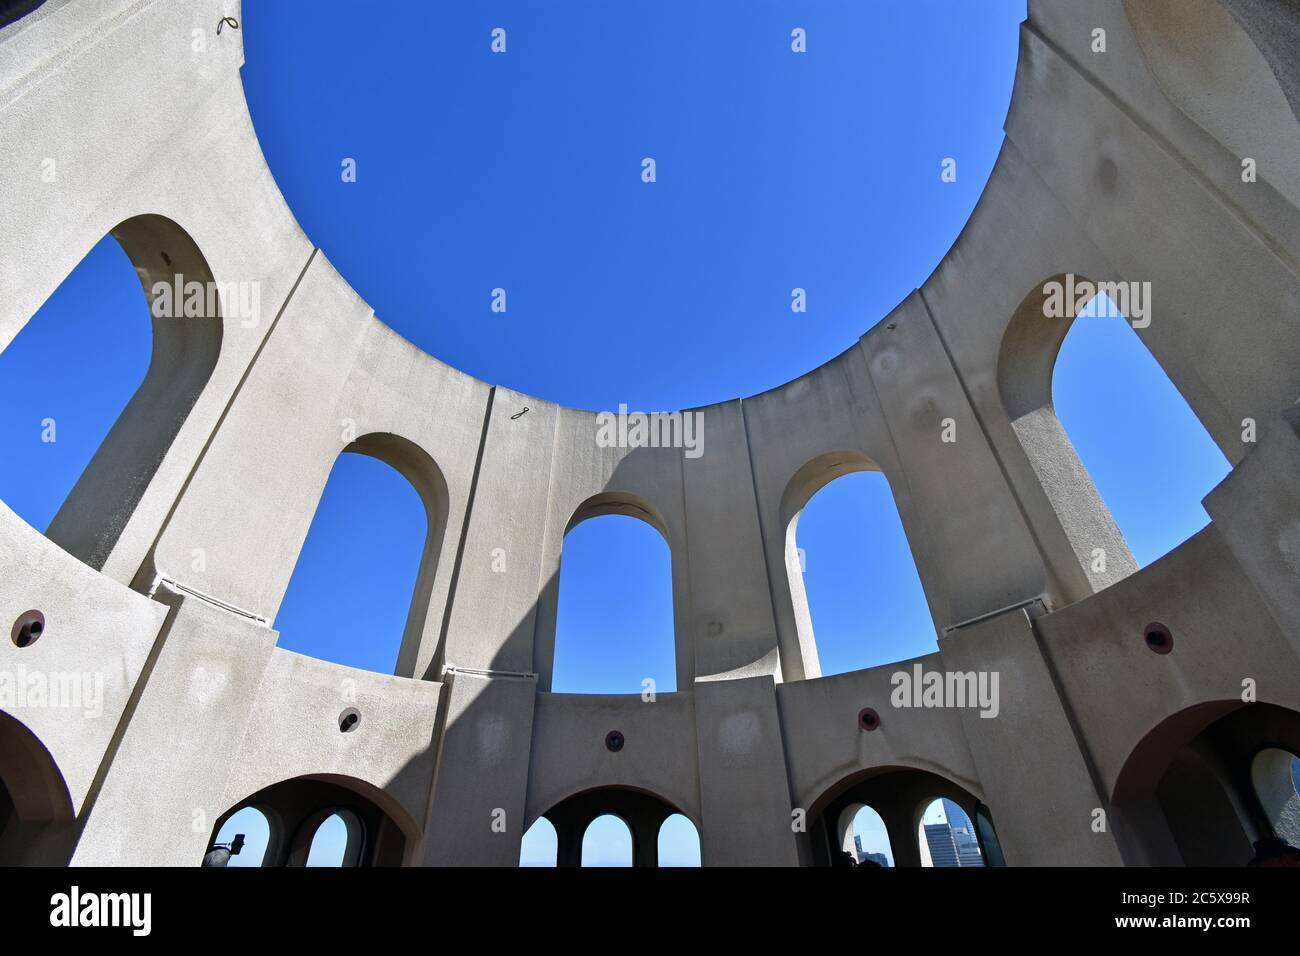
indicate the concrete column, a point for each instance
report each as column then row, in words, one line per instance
column 477, row 810
column 744, row 791
column 1037, row 781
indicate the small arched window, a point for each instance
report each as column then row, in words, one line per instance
column 338, row 841
column 679, row 842
column 256, row 830
column 540, row 845
column 607, row 842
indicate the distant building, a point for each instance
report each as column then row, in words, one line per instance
column 963, row 835
column 943, row 850
column 879, row 858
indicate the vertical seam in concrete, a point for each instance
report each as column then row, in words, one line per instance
column 540, row 585
column 693, row 670
column 440, row 651
column 762, row 542
column 1072, row 720
column 217, row 426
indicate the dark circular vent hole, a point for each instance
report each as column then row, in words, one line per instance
column 1158, row 638
column 28, row 628
column 614, row 741
column 868, row 719
column 349, row 719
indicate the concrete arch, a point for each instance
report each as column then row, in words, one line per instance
column 628, row 505
column 36, row 812
column 380, row 831
column 424, row 624
column 185, row 305
column 642, row 811
column 802, row 486
column 354, row 848
column 899, row 795
column 1187, row 793
column 1025, row 365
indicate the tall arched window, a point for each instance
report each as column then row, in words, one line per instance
column 679, row 842
column 1120, row 457
column 100, row 381
column 607, row 842
column 68, row 374
column 614, row 622
column 1149, row 456
column 540, row 844
column 350, row 598
column 854, row 581
column 947, row 836
column 252, row 823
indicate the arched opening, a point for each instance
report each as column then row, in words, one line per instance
column 614, row 626
column 359, row 594
column 96, row 398
column 679, row 842
column 253, row 825
column 886, row 810
column 324, row 821
column 620, row 826
column 855, row 589
column 1275, row 774
column 1213, row 785
column 1119, row 409
column 36, row 812
column 863, row 836
column 947, row 837
column 607, row 841
column 1071, row 366
column 338, row 841
column 539, row 846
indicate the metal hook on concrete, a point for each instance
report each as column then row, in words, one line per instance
column 227, row 21
column 519, row 414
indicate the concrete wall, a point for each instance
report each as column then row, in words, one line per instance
column 1122, row 165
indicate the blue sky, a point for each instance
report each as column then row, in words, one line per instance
column 522, row 171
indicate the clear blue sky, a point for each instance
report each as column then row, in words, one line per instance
column 523, row 171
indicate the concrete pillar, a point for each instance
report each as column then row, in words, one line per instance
column 744, row 791
column 1037, row 781
column 476, row 814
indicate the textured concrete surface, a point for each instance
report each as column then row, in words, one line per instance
column 1117, row 166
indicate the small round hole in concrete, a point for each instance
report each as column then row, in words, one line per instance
column 868, row 719
column 28, row 629
column 349, row 719
column 614, row 741
column 1158, row 638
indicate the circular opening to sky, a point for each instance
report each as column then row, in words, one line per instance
column 524, row 170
